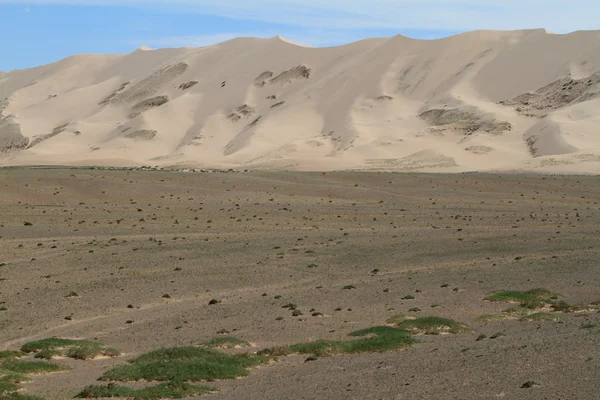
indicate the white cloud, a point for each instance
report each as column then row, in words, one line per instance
column 556, row 15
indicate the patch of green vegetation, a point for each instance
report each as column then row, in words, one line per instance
column 590, row 326
column 540, row 316
column 9, row 381
column 51, row 343
column 90, row 351
column 349, row 287
column 77, row 349
column 534, row 298
column 376, row 339
column 18, row 396
column 188, row 364
column 168, row 390
column 31, row 367
column 432, row 325
column 226, row 342
column 48, row 354
column 12, row 373
column 564, row 307
column 6, row 354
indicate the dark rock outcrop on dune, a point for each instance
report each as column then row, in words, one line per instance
column 298, row 72
column 558, row 94
column 188, row 85
column 146, row 105
column 56, row 131
column 464, row 120
column 146, row 87
column 11, row 138
column 144, row 134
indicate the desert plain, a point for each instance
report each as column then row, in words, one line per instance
column 143, row 260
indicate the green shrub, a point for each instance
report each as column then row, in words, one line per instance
column 376, row 339
column 532, row 299
column 189, row 364
column 52, row 343
column 226, row 342
column 31, row 367
column 432, row 325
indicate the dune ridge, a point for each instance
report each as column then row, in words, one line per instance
column 479, row 101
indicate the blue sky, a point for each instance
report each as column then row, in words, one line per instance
column 42, row 31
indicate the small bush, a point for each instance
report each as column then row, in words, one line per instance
column 564, row 307
column 226, row 343
column 532, row 299
column 432, row 325
column 111, row 352
column 189, row 364
column 48, row 354
column 84, row 352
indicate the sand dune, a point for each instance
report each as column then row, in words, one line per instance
column 485, row 100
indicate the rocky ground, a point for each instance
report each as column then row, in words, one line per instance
column 132, row 259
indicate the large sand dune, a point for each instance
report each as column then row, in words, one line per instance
column 485, row 100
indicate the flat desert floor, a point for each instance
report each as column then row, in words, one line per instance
column 133, row 258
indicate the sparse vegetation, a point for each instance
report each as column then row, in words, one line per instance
column 534, row 298
column 10, row 354
column 226, row 342
column 376, row 339
column 168, row 390
column 91, row 351
column 189, row 364
column 77, row 349
column 432, row 325
column 31, row 367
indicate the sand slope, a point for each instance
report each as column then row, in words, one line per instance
column 485, row 100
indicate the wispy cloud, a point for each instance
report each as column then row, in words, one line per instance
column 556, row 15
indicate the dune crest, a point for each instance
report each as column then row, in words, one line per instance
column 477, row 101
